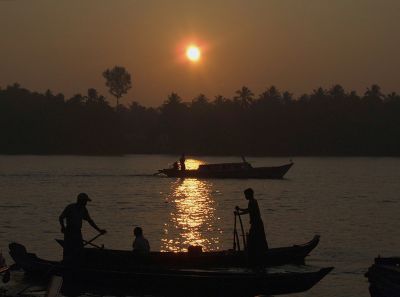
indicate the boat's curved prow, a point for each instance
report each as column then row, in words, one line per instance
column 313, row 242
column 323, row 272
column 285, row 168
column 18, row 253
column 315, row 278
column 17, row 250
column 309, row 246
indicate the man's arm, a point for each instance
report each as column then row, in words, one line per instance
column 241, row 210
column 93, row 224
column 61, row 220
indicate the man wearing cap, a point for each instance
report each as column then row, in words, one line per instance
column 74, row 214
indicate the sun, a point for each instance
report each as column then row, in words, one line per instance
column 193, row 53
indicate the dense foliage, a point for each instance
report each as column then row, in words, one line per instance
column 325, row 122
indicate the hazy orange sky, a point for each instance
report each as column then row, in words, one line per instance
column 296, row 45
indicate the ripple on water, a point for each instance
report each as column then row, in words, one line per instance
column 340, row 198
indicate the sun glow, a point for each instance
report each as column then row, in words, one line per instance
column 193, row 53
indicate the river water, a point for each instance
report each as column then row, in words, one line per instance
column 353, row 203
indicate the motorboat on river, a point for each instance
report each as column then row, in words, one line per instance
column 229, row 170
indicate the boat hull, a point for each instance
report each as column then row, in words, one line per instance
column 276, row 172
column 151, row 279
column 275, row 256
column 195, row 283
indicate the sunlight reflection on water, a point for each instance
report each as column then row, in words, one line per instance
column 193, row 215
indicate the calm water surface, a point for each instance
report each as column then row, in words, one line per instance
column 353, row 203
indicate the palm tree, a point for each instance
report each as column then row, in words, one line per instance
column 373, row 94
column 244, row 96
column 319, row 95
column 271, row 95
column 337, row 92
column 287, row 97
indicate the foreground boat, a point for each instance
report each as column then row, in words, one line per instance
column 384, row 277
column 229, row 170
column 115, row 279
column 196, row 258
column 4, row 269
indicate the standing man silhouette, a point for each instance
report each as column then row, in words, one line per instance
column 257, row 242
column 74, row 214
column 182, row 162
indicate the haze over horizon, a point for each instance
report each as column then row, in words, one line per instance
column 297, row 46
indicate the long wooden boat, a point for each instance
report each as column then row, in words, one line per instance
column 229, row 170
column 384, row 277
column 114, row 279
column 196, row 258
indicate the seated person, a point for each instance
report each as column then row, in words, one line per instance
column 140, row 244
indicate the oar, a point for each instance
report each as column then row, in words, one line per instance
column 93, row 239
column 90, row 242
column 243, row 235
column 234, row 232
column 235, row 235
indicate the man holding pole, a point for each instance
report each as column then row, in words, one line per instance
column 257, row 242
column 74, row 214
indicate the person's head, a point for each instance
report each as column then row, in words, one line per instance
column 249, row 193
column 82, row 199
column 138, row 231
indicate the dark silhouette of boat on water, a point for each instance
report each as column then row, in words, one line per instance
column 229, row 170
column 196, row 258
column 193, row 258
column 124, row 273
column 384, row 277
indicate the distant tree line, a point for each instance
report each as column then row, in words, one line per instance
column 325, row 122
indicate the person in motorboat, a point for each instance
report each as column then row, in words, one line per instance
column 140, row 244
column 175, row 166
column 257, row 242
column 182, row 162
column 74, row 214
